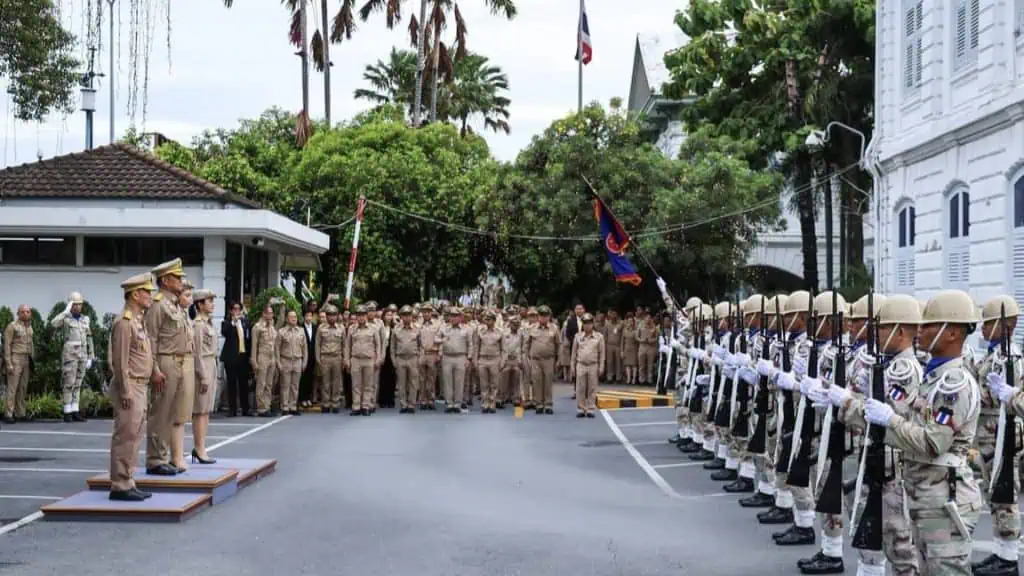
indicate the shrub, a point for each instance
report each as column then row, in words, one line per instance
column 94, row 404
column 261, row 300
column 44, row 406
column 46, row 375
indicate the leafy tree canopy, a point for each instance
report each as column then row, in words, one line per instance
column 35, row 59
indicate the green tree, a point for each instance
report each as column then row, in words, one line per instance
column 478, row 88
column 35, row 59
column 391, row 82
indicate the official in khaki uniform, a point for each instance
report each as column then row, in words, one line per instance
column 77, row 354
column 647, row 348
column 613, row 347
column 131, row 361
column 943, row 497
column 291, row 361
column 530, row 315
column 330, row 357
column 205, row 340
column 263, row 358
column 512, row 364
column 542, row 349
column 456, row 358
column 19, row 352
column 487, row 357
column 429, row 339
column 361, row 359
column 587, row 366
column 406, row 355
column 169, row 408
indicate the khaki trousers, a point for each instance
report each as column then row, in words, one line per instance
column 612, row 363
column 266, row 369
column 453, row 379
column 363, row 372
column 487, row 374
column 527, row 384
column 543, row 376
column 17, row 384
column 645, row 358
column 172, row 406
column 407, row 381
column 128, row 431
column 72, row 374
column 511, row 384
column 586, row 387
column 332, row 390
column 291, row 371
column 428, row 379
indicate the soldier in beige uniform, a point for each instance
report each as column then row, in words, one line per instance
column 330, row 357
column 131, row 361
column 19, row 352
column 170, row 404
column 205, row 345
column 263, row 358
column 291, row 360
column 456, row 358
column 512, row 364
column 587, row 366
column 406, row 354
column 487, row 357
column 542, row 348
column 647, row 350
column 361, row 359
column 77, row 354
column 429, row 332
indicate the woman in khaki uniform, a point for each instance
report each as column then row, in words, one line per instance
column 188, row 384
column 564, row 351
column 291, row 360
column 205, row 344
column 629, row 348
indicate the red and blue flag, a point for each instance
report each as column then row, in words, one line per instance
column 583, row 38
column 615, row 242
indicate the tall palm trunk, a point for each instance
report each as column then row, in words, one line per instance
column 436, row 65
column 420, row 64
column 327, row 63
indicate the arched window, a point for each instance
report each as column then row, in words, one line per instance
column 958, row 243
column 906, row 232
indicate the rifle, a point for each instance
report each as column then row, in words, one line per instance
column 833, row 437
column 758, row 441
column 722, row 410
column 739, row 417
column 867, row 532
column 784, row 424
column 709, row 411
column 663, row 386
column 800, row 459
column 696, row 399
column 1002, row 488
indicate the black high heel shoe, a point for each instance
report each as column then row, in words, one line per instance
column 196, row 458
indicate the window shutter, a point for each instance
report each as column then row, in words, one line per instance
column 965, row 266
column 1018, row 279
column 960, row 42
column 958, row 267
column 975, row 23
column 901, row 273
column 910, row 272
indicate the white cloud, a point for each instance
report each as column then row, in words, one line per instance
column 231, row 64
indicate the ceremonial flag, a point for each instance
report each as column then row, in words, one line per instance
column 583, row 37
column 615, row 241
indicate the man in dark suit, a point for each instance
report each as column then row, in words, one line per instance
column 235, row 357
column 307, row 382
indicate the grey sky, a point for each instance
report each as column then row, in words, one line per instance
column 231, row 64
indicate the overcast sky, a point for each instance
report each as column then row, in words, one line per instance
column 231, row 64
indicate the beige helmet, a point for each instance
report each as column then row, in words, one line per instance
column 753, row 304
column 899, row 309
column 859, row 309
column 693, row 303
column 922, row 305
column 950, row 307
column 799, row 301
column 76, row 298
column 706, row 311
column 723, row 309
column 997, row 306
column 782, row 299
column 823, row 304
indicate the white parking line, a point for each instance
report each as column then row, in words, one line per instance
column 87, row 434
column 638, row 424
column 640, row 460
column 677, row 465
column 37, row 514
column 82, row 450
column 651, row 443
column 27, row 497
column 57, row 470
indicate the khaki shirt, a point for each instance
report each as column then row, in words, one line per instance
column 168, row 327
column 647, row 333
column 430, row 337
column 405, row 342
column 512, row 347
column 130, row 355
column 988, row 420
column 291, row 344
column 588, row 350
column 542, row 341
column 457, row 341
column 488, row 345
column 18, row 341
column 264, row 340
column 205, row 344
column 330, row 341
column 77, row 333
column 363, row 343
column 903, row 381
column 629, row 334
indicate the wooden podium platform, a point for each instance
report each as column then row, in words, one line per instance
column 219, row 483
column 97, row 506
column 249, row 469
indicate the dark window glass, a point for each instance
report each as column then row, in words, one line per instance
column 190, row 250
column 101, row 251
column 903, row 228
column 1018, row 203
column 21, row 251
column 954, row 216
column 966, row 223
column 120, row 251
column 913, row 224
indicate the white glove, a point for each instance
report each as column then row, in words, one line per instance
column 742, row 358
column 785, row 381
column 748, row 375
column 799, row 367
column 765, row 367
column 720, row 352
column 88, row 363
column 675, row 343
column 808, row 384
column 661, row 284
column 68, row 307
column 1000, row 389
column 731, row 360
column 837, row 396
column 861, row 382
column 703, row 380
column 663, row 349
column 818, row 394
column 877, row 412
column 729, row 371
column 696, row 353
column 716, row 360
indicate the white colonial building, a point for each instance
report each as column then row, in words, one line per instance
column 949, row 145
column 87, row 221
column 778, row 253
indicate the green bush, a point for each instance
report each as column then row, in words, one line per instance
column 45, row 406
column 49, row 343
column 94, row 404
column 261, row 300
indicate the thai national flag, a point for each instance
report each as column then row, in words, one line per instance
column 583, row 38
column 944, row 416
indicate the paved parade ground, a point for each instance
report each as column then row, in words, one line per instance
column 429, row 494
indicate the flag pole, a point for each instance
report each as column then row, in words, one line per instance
column 355, row 251
column 579, row 53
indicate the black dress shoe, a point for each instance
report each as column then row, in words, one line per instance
column 77, row 417
column 335, row 410
column 590, row 414
column 162, row 470
column 776, row 516
column 975, row 566
column 725, row 475
column 758, row 500
column 691, row 448
column 675, row 439
column 821, row 564
column 126, row 496
column 540, row 410
column 500, row 405
column 702, row 456
column 549, row 411
column 410, row 410
column 366, row 411
column 997, row 567
column 716, row 464
column 67, row 418
column 325, row 410
column 581, row 415
column 9, row 421
column 796, row 537
column 402, row 410
column 741, row 485
column 355, row 413
column 266, row 414
column 777, row 535
column 145, row 495
column 296, row 412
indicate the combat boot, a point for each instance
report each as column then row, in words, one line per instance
column 725, row 475
column 741, row 485
column 758, row 500
column 716, row 464
column 996, row 566
column 776, row 515
column 675, row 439
column 795, row 536
column 702, row 456
column 821, row 564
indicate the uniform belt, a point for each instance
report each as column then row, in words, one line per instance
column 946, row 460
column 291, row 357
column 362, row 357
column 552, row 357
column 408, row 355
column 490, row 357
column 454, row 354
column 989, row 412
column 330, row 354
column 177, row 356
column 595, row 363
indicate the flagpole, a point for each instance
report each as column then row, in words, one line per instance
column 579, row 52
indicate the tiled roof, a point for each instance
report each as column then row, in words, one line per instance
column 114, row 171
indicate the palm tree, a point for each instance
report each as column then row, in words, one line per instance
column 479, row 87
column 391, row 82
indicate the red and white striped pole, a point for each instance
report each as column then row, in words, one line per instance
column 355, row 251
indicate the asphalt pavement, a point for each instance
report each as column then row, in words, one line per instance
column 393, row 494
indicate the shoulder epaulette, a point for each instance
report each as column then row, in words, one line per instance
column 158, row 297
column 127, row 315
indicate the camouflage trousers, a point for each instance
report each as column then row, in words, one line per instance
column 831, row 524
column 942, row 549
column 764, row 464
column 1005, row 517
column 897, row 534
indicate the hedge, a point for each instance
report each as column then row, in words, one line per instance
column 263, row 298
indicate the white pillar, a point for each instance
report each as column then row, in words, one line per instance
column 215, row 273
column 273, row 268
